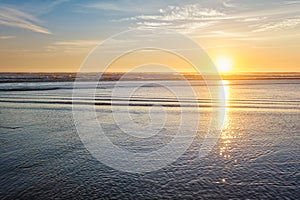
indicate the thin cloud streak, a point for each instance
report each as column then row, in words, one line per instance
column 78, row 43
column 105, row 6
column 122, row 6
column 72, row 47
column 6, row 37
column 291, row 2
column 15, row 18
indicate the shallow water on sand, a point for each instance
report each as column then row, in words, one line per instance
column 256, row 157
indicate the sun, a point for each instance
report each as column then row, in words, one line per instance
column 224, row 64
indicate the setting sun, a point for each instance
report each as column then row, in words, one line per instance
column 224, row 64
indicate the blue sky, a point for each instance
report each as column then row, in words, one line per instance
column 38, row 35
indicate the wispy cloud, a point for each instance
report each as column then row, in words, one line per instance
column 13, row 17
column 279, row 25
column 291, row 2
column 47, row 7
column 105, row 6
column 252, row 19
column 78, row 43
column 123, row 6
column 185, row 19
column 187, row 12
column 6, row 37
column 236, row 20
column 73, row 46
column 229, row 4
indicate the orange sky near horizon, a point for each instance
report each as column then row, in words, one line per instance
column 243, row 60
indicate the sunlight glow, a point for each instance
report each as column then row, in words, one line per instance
column 224, row 64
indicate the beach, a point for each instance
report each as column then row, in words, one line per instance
column 256, row 156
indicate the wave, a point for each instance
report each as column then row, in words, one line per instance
column 44, row 86
column 70, row 77
column 28, row 89
column 200, row 103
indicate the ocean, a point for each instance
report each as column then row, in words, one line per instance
column 44, row 156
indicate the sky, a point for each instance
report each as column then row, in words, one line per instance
column 57, row 36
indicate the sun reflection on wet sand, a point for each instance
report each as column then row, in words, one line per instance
column 226, row 96
column 226, row 135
